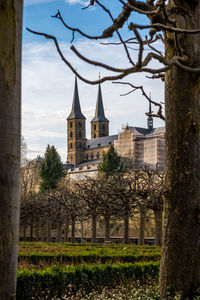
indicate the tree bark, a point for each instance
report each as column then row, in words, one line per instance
column 36, row 232
column 49, row 232
column 82, row 230
column 107, row 228
column 31, row 232
column 94, row 229
column 73, row 230
column 67, row 230
column 58, row 232
column 180, row 267
column 126, row 228
column 141, row 228
column 10, row 131
column 24, row 232
column 43, row 231
column 158, row 226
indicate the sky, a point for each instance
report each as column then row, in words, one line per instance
column 48, row 84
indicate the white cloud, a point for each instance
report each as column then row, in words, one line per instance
column 47, row 93
column 73, row 2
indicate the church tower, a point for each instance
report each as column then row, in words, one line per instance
column 99, row 124
column 76, row 139
column 150, row 118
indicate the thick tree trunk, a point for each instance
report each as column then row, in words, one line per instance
column 67, row 230
column 141, row 228
column 180, row 265
column 107, row 228
column 94, row 229
column 82, row 230
column 43, row 231
column 10, row 115
column 126, row 228
column 58, row 233
column 158, row 226
column 37, row 233
column 73, row 230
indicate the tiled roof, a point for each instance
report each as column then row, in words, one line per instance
column 101, row 142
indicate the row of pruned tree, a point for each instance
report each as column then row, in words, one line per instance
column 119, row 197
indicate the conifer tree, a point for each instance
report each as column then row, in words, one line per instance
column 111, row 163
column 51, row 169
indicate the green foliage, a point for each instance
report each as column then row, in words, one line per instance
column 60, row 281
column 111, row 163
column 51, row 169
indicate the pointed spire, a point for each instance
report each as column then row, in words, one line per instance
column 76, row 109
column 150, row 118
column 99, row 112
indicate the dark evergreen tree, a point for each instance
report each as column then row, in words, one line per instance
column 51, row 169
column 111, row 163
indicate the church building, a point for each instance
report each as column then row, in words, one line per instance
column 137, row 146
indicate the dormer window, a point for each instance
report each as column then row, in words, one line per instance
column 110, row 143
column 99, row 145
column 88, row 146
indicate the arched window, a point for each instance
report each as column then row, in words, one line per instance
column 71, row 134
column 71, row 145
column 80, row 134
column 95, row 126
column 95, row 135
column 71, row 124
column 80, row 125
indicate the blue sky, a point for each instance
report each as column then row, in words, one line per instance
column 47, row 84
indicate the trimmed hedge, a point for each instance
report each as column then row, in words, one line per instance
column 59, row 281
column 66, row 258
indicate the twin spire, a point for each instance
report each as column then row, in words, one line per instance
column 76, row 108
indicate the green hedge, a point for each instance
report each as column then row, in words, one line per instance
column 60, row 281
column 65, row 258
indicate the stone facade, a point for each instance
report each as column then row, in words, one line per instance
column 137, row 146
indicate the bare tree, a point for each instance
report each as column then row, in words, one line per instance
column 177, row 24
column 10, row 114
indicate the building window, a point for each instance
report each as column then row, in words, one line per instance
column 86, row 157
column 103, row 127
column 99, row 145
column 92, row 155
column 98, row 155
column 95, row 126
column 71, row 134
column 71, row 145
column 71, row 124
column 80, row 145
column 80, row 125
column 95, row 135
column 80, row 134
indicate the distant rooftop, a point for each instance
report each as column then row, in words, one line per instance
column 101, row 142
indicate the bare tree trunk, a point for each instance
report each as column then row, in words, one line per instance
column 73, row 230
column 82, row 230
column 24, row 234
column 94, row 228
column 58, row 232
column 67, row 230
column 126, row 228
column 36, row 232
column 141, row 228
column 180, row 267
column 31, row 232
column 49, row 232
column 10, row 131
column 43, row 230
column 158, row 226
column 107, row 228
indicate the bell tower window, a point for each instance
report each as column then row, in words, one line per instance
column 95, row 126
column 71, row 134
column 71, row 124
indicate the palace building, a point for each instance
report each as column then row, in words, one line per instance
column 137, row 146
